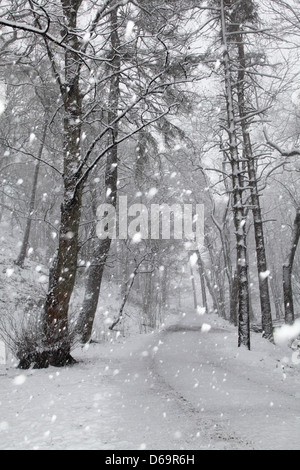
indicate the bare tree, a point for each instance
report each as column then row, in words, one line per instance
column 246, row 114
column 238, row 189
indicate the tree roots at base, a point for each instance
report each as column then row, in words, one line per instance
column 43, row 360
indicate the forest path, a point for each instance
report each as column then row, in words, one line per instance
column 180, row 388
column 253, row 395
column 157, row 389
column 153, row 411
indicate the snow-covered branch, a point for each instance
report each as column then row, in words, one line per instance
column 284, row 153
column 118, row 142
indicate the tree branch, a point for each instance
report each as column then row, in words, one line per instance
column 28, row 154
column 118, row 142
column 284, row 153
column 45, row 34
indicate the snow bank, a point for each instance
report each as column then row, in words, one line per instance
column 287, row 333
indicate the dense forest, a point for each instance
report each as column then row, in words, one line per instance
column 153, row 103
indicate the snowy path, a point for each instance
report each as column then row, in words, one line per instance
column 244, row 394
column 172, row 390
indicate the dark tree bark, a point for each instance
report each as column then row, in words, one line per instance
column 288, row 272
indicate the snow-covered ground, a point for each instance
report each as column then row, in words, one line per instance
column 184, row 387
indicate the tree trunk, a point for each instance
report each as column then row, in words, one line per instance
column 265, row 302
column 194, row 287
column 238, row 205
column 234, row 305
column 102, row 248
column 164, row 287
column 148, row 300
column 225, row 240
column 63, row 281
column 214, row 284
column 93, row 288
column 202, row 281
column 288, row 273
column 58, row 340
column 24, row 248
column 276, row 296
column 211, row 290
